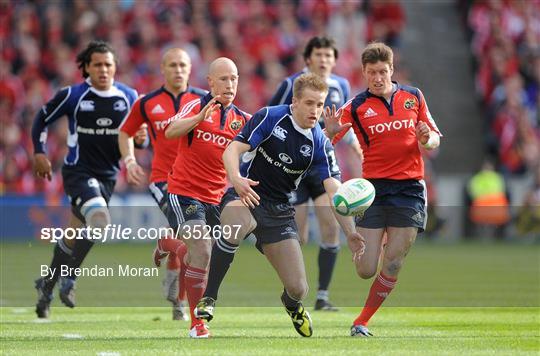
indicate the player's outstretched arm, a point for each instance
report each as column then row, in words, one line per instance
column 135, row 173
column 242, row 186
column 181, row 126
column 355, row 241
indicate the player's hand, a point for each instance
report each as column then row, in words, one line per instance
column 332, row 122
column 247, row 195
column 42, row 166
column 422, row 132
column 141, row 135
column 357, row 245
column 135, row 173
column 212, row 106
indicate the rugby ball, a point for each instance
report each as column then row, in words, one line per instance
column 354, row 197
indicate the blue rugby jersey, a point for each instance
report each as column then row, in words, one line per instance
column 281, row 153
column 94, row 117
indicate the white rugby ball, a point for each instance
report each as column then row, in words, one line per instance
column 354, row 197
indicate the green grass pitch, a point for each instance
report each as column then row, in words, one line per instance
column 469, row 298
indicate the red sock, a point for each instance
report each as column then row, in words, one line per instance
column 173, row 263
column 181, row 253
column 195, row 282
column 381, row 287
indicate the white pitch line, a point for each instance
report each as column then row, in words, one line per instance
column 72, row 336
column 42, row 321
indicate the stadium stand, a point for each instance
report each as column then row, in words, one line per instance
column 40, row 39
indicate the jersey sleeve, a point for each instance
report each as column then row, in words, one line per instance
column 324, row 158
column 256, row 129
column 281, row 95
column 134, row 119
column 50, row 112
column 190, row 109
column 425, row 116
column 346, row 118
column 346, row 87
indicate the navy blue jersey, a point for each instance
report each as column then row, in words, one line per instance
column 281, row 153
column 93, row 119
column 338, row 91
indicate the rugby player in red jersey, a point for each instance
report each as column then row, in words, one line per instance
column 154, row 110
column 390, row 120
column 197, row 182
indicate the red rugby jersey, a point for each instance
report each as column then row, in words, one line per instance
column 386, row 132
column 155, row 109
column 198, row 172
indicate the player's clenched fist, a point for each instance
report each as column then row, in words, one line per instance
column 422, row 132
column 42, row 166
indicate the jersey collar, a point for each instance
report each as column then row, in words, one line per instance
column 305, row 132
column 223, row 111
column 112, row 91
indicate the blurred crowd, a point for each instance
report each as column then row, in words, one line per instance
column 505, row 42
column 41, row 38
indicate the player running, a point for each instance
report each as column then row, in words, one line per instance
column 155, row 109
column 198, row 179
column 95, row 109
column 320, row 56
column 389, row 120
column 282, row 143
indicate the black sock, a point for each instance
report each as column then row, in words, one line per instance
column 61, row 256
column 222, row 257
column 327, row 262
column 80, row 250
column 289, row 303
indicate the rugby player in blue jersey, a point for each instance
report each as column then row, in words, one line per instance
column 320, row 56
column 279, row 145
column 95, row 109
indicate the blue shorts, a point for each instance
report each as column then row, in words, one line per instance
column 80, row 187
column 275, row 220
column 398, row 203
column 310, row 187
column 182, row 209
column 158, row 190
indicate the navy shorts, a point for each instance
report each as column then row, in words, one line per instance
column 182, row 209
column 310, row 187
column 80, row 187
column 158, row 190
column 275, row 220
column 398, row 203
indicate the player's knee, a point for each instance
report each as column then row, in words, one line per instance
column 391, row 267
column 96, row 213
column 298, row 290
column 366, row 274
column 201, row 251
